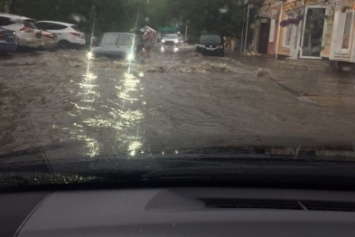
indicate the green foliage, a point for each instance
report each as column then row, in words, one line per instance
column 2, row 5
column 123, row 15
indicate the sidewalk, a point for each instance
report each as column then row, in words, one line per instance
column 312, row 81
column 267, row 61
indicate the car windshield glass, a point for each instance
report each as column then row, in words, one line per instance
column 172, row 36
column 125, row 39
column 140, row 80
column 210, row 39
column 110, row 39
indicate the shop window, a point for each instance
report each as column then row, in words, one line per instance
column 344, row 31
column 287, row 32
column 345, row 43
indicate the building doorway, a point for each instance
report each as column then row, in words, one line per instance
column 264, row 37
column 313, row 32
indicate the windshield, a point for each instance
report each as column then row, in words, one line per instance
column 238, row 80
column 171, row 36
column 210, row 39
column 117, row 39
column 110, row 39
column 125, row 40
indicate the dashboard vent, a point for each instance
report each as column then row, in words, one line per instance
column 251, row 204
column 279, row 204
column 329, row 206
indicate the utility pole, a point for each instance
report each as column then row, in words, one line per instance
column 247, row 28
column 186, row 26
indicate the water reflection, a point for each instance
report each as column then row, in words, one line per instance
column 131, row 117
column 107, row 112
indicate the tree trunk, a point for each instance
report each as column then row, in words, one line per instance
column 8, row 6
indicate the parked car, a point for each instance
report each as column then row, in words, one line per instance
column 68, row 35
column 7, row 40
column 26, row 32
column 211, row 44
column 170, row 42
column 117, row 44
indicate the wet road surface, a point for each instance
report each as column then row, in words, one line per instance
column 170, row 103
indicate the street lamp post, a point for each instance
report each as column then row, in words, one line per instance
column 186, row 26
column 247, row 28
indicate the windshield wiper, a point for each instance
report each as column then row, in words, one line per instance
column 157, row 172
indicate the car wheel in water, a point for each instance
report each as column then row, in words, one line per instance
column 64, row 44
column 54, row 49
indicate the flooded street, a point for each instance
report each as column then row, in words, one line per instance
column 171, row 103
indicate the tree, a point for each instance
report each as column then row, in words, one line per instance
column 6, row 5
column 222, row 16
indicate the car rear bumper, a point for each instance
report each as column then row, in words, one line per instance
column 49, row 45
column 31, row 43
column 31, row 40
column 8, row 47
column 77, row 41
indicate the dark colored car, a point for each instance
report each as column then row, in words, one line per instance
column 211, row 44
column 7, row 40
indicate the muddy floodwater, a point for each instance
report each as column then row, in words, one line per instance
column 171, row 103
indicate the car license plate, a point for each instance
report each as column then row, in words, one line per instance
column 211, row 49
column 10, row 36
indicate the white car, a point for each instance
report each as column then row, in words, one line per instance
column 26, row 32
column 170, row 39
column 68, row 35
column 170, row 42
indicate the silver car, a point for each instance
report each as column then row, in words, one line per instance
column 7, row 40
column 117, row 44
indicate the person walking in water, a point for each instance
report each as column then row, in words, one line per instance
column 148, row 42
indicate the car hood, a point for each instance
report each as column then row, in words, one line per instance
column 111, row 48
column 211, row 44
column 170, row 39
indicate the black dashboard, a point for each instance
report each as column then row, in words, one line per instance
column 246, row 212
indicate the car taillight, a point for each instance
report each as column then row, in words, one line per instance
column 27, row 29
column 75, row 34
column 50, row 36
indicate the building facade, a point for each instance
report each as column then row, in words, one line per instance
column 343, row 35
column 308, row 29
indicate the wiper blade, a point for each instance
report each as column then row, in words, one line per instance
column 30, row 179
column 258, row 168
column 160, row 171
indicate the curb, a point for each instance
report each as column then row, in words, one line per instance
column 271, row 62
